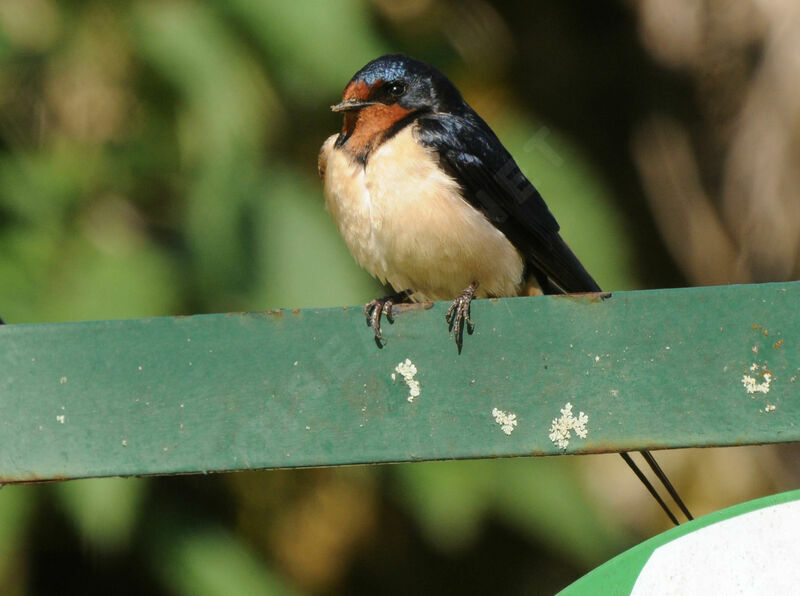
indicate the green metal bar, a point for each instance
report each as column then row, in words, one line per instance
column 655, row 369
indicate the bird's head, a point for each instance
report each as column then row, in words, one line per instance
column 397, row 80
column 389, row 89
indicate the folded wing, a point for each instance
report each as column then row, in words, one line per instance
column 493, row 183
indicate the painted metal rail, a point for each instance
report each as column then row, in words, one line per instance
column 694, row 367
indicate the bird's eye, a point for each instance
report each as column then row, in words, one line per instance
column 396, row 89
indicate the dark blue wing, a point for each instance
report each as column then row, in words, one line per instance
column 493, row 183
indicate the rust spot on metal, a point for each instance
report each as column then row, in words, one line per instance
column 296, row 311
column 778, row 344
column 32, row 479
column 399, row 309
column 275, row 312
column 239, row 313
column 593, row 297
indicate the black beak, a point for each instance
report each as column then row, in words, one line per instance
column 351, row 105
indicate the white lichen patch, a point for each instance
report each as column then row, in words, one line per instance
column 560, row 429
column 752, row 384
column 408, row 371
column 506, row 420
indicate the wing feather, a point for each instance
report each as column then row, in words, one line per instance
column 493, row 183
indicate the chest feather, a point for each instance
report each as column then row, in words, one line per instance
column 405, row 221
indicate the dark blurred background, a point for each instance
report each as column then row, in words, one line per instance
column 159, row 158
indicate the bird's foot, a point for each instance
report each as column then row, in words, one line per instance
column 459, row 314
column 374, row 309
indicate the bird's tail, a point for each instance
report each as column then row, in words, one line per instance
column 559, row 271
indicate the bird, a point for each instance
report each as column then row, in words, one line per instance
column 430, row 202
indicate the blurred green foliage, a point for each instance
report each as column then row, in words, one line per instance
column 159, row 158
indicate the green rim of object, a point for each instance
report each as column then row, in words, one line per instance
column 618, row 576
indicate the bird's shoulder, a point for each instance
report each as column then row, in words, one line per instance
column 491, row 180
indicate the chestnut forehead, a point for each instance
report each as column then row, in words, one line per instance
column 360, row 89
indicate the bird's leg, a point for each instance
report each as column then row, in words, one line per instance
column 382, row 306
column 459, row 313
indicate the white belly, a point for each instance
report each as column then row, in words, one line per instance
column 405, row 222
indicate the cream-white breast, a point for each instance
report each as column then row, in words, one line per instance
column 405, row 222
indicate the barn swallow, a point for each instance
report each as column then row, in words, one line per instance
column 430, row 202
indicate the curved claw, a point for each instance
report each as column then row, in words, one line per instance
column 459, row 313
column 374, row 309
